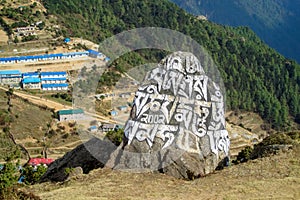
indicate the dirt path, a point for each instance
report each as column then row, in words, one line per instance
column 41, row 101
column 55, row 105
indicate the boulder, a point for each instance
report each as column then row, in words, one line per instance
column 176, row 127
column 177, row 123
column 88, row 156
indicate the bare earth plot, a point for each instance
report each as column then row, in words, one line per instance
column 3, row 37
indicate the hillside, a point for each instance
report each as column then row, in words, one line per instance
column 33, row 127
column 257, row 78
column 276, row 22
column 274, row 177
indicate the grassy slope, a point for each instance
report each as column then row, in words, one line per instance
column 31, row 121
column 6, row 145
column 29, row 126
column 276, row 177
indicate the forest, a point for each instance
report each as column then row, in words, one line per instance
column 275, row 22
column 256, row 77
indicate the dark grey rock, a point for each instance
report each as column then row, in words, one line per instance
column 88, row 156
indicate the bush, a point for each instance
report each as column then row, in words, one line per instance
column 294, row 135
column 115, row 136
column 279, row 138
column 8, row 176
column 33, row 175
column 270, row 145
column 244, row 155
column 65, row 136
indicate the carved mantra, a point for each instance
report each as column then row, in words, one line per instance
column 180, row 103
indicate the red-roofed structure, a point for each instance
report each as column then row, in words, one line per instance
column 40, row 161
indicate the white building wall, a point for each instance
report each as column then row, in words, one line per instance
column 71, row 117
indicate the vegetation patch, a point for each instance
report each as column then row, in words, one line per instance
column 270, row 145
column 115, row 136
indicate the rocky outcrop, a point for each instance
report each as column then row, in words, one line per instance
column 88, row 156
column 177, row 123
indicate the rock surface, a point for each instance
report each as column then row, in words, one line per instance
column 88, row 156
column 177, row 123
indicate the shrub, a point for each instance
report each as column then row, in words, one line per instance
column 33, row 175
column 278, row 138
column 8, row 176
column 244, row 155
column 68, row 170
column 65, row 136
column 115, row 136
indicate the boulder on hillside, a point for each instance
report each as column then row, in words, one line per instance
column 176, row 127
column 88, row 156
column 177, row 123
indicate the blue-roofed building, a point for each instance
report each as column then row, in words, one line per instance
column 55, row 87
column 53, row 80
column 31, row 83
column 107, row 59
column 67, row 40
column 10, row 60
column 75, row 54
column 93, row 128
column 45, row 75
column 31, row 75
column 10, row 77
column 114, row 113
column 123, row 108
column 44, row 57
column 95, row 54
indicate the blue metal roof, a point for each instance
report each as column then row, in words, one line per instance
column 31, row 74
column 54, row 79
column 10, row 76
column 38, row 57
column 94, row 52
column 67, row 40
column 53, row 73
column 75, row 53
column 31, row 80
column 93, row 127
column 113, row 112
column 55, row 85
column 10, row 72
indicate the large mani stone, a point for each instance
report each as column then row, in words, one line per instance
column 177, row 123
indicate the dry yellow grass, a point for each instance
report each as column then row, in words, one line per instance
column 276, row 177
column 3, row 37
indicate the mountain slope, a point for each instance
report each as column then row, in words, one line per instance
column 256, row 77
column 276, row 177
column 276, row 22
